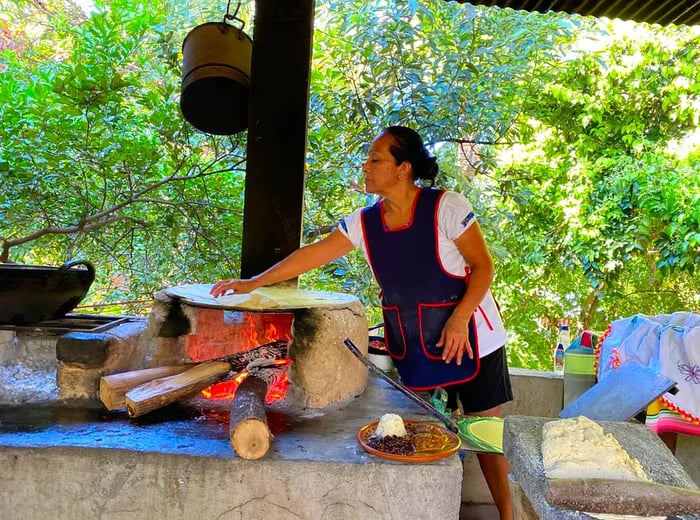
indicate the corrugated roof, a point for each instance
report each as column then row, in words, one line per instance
column 661, row 12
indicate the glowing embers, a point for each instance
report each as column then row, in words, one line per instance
column 274, row 374
column 245, row 332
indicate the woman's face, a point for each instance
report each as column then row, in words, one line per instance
column 380, row 168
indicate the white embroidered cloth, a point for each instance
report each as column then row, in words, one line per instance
column 669, row 343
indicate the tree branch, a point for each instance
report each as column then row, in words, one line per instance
column 111, row 215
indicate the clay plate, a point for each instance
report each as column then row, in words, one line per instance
column 432, row 442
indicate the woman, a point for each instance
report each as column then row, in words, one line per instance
column 441, row 323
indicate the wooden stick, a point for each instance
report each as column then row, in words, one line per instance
column 114, row 387
column 131, row 380
column 161, row 392
column 248, row 430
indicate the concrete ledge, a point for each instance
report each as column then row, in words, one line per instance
column 177, row 464
column 90, row 349
column 70, row 483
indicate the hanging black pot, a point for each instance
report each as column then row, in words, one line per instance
column 215, row 89
column 35, row 293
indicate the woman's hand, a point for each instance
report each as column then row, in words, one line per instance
column 300, row 261
column 454, row 339
column 455, row 334
column 233, row 286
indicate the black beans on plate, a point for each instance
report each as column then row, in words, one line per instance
column 392, row 444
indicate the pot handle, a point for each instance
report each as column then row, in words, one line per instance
column 61, row 272
column 78, row 261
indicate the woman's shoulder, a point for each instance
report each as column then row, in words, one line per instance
column 455, row 214
column 453, row 199
column 375, row 206
column 351, row 227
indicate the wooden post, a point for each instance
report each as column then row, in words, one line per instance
column 277, row 129
column 248, row 430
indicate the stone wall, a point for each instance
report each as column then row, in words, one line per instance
column 84, row 357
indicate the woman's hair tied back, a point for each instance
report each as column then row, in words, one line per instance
column 408, row 146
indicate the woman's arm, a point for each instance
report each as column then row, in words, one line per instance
column 300, row 261
column 455, row 335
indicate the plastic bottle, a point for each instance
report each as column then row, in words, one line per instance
column 559, row 359
column 559, row 352
column 565, row 336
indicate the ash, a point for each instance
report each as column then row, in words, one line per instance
column 21, row 384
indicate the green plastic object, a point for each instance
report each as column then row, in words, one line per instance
column 478, row 434
column 579, row 366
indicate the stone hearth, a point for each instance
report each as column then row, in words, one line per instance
column 65, row 457
column 62, row 463
column 323, row 373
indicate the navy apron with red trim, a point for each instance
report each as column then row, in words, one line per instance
column 418, row 296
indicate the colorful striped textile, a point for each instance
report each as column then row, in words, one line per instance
column 661, row 418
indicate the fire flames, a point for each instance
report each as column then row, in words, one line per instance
column 275, row 374
column 272, row 331
column 276, row 387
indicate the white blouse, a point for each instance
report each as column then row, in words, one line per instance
column 455, row 215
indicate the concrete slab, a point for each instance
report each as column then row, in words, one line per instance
column 522, row 445
column 66, row 463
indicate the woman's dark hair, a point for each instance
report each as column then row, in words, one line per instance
column 408, row 146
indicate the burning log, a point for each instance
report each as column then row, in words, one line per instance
column 142, row 391
column 161, row 392
column 248, row 430
column 113, row 388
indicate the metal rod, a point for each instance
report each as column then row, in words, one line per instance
column 449, row 421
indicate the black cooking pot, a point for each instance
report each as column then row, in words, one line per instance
column 34, row 293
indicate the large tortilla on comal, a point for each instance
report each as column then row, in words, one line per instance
column 264, row 298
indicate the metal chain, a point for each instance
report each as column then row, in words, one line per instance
column 234, row 16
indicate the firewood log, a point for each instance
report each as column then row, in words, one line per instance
column 114, row 387
column 128, row 381
column 161, row 392
column 248, row 430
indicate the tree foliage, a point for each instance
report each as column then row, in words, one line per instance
column 551, row 127
column 575, row 141
column 610, row 180
column 96, row 160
